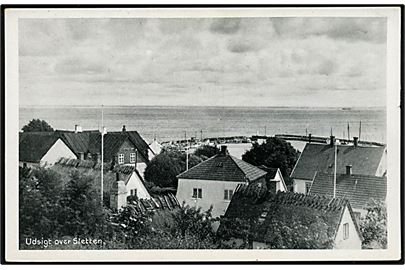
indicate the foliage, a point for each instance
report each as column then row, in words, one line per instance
column 38, row 203
column 206, row 151
column 37, row 125
column 275, row 153
column 192, row 221
column 163, row 168
column 51, row 211
column 373, row 226
column 81, row 212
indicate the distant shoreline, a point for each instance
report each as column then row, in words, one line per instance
column 182, row 106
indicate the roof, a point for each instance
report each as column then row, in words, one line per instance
column 320, row 157
column 271, row 172
column 282, row 212
column 33, row 146
column 223, row 167
column 90, row 142
column 358, row 189
column 92, row 169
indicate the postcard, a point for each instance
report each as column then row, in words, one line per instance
column 202, row 134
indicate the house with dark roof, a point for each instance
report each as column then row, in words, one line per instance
column 42, row 149
column 213, row 181
column 315, row 158
column 259, row 219
column 120, row 147
column 358, row 189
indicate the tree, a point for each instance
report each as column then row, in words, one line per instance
column 37, row 125
column 38, row 203
column 163, row 168
column 81, row 211
column 276, row 153
column 373, row 226
column 206, row 151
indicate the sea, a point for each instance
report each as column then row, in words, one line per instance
column 166, row 123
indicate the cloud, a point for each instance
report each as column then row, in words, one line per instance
column 351, row 29
column 225, row 26
column 175, row 61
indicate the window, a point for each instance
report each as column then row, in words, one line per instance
column 346, row 231
column 132, row 157
column 307, row 187
column 121, row 159
column 228, row 194
column 133, row 192
column 197, row 193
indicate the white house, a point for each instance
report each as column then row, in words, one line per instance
column 213, row 182
column 42, row 149
column 330, row 223
column 315, row 158
column 274, row 178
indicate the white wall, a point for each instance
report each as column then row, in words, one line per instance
column 354, row 241
column 382, row 167
column 212, row 194
column 279, row 184
column 58, row 150
column 299, row 185
column 135, row 183
column 141, row 168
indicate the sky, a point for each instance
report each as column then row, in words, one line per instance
column 298, row 62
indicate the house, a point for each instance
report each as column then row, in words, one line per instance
column 213, row 181
column 129, row 175
column 120, row 147
column 274, row 179
column 365, row 160
column 358, row 189
column 42, row 149
column 259, row 219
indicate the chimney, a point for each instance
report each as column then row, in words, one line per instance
column 355, row 141
column 309, row 137
column 118, row 197
column 124, row 128
column 349, row 169
column 332, row 140
column 78, row 129
column 223, row 150
column 81, row 156
column 98, row 158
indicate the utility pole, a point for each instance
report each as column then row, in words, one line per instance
column 185, row 137
column 265, row 130
column 201, row 134
column 348, row 131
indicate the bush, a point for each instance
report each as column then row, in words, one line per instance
column 275, row 153
column 373, row 226
column 206, row 151
column 37, row 125
column 163, row 168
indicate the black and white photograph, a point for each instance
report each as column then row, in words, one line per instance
column 230, row 132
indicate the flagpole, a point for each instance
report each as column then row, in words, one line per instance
column 334, row 174
column 102, row 151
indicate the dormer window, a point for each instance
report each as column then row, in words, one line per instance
column 220, row 164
